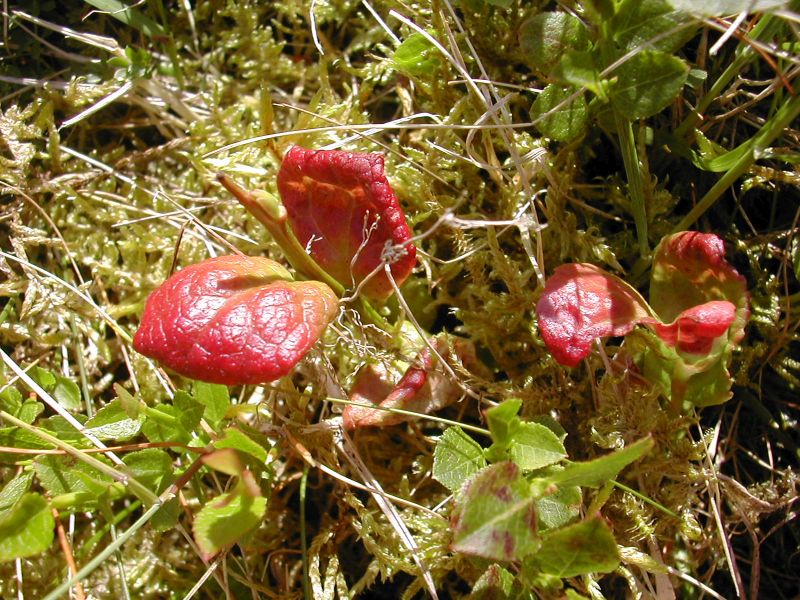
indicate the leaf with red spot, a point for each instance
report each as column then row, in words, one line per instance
column 343, row 210
column 495, row 515
column 582, row 303
column 234, row 320
column 689, row 269
column 424, row 388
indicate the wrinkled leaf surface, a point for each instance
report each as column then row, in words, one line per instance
column 234, row 320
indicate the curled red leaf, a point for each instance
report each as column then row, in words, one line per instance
column 234, row 320
column 582, row 303
column 689, row 269
column 424, row 388
column 342, row 208
column 696, row 328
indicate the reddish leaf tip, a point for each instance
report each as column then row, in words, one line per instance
column 234, row 320
column 340, row 205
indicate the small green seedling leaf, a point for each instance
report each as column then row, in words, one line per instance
column 457, row 457
column 579, row 549
column 27, row 528
column 595, row 473
column 557, row 116
column 650, row 24
column 495, row 517
column 545, row 37
column 535, row 446
column 225, row 461
column 237, row 440
column 647, row 83
column 67, row 393
column 14, row 490
column 215, row 398
column 161, row 425
column 496, row 583
column 579, row 69
column 503, row 421
column 558, row 509
column 152, row 467
column 65, row 474
column 130, row 16
column 416, row 56
column 226, row 519
column 112, row 423
column 189, row 410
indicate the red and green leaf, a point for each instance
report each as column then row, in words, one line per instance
column 343, row 210
column 424, row 388
column 582, row 303
column 234, row 320
column 689, row 269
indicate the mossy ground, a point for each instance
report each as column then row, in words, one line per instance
column 99, row 205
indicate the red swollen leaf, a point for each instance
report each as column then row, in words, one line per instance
column 582, row 303
column 341, row 207
column 234, row 320
column 696, row 328
column 689, row 269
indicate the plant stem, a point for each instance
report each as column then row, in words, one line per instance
column 758, row 143
column 633, row 170
column 275, row 222
column 303, row 540
column 765, row 29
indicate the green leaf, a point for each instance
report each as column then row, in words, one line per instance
column 495, row 517
column 161, row 425
column 65, row 474
column 560, row 508
column 112, row 423
column 27, row 528
column 225, row 461
column 416, row 56
column 130, row 403
column 29, row 410
column 647, row 83
column 719, row 8
column 167, row 516
column 215, row 398
column 545, row 37
column 14, row 490
column 646, row 24
column 132, row 17
column 67, row 393
column 580, row 549
column 579, row 69
column 534, row 446
column 152, row 467
column 224, row 520
column 457, row 457
column 503, row 421
column 557, row 117
column 43, row 377
column 10, row 400
column 595, row 473
column 496, row 583
column 236, row 439
column 190, row 411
